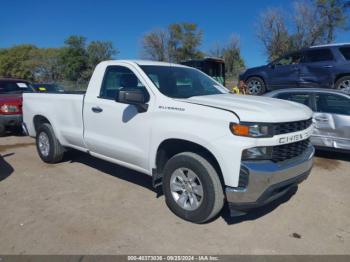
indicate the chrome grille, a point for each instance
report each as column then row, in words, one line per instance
column 288, row 151
column 290, row 127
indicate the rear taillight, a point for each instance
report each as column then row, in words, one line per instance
column 9, row 109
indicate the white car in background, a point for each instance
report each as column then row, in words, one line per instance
column 331, row 115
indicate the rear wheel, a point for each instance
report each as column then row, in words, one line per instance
column 49, row 148
column 192, row 187
column 255, row 86
column 343, row 84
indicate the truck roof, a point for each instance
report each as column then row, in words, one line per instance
column 144, row 62
column 330, row 45
column 307, row 89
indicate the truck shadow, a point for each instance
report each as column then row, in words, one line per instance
column 111, row 169
column 145, row 181
column 333, row 155
column 5, row 168
column 14, row 131
column 258, row 212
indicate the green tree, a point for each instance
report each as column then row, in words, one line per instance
column 334, row 16
column 155, row 45
column 231, row 54
column 74, row 58
column 273, row 33
column 184, row 40
column 45, row 64
column 309, row 28
column 313, row 22
column 74, row 62
column 176, row 43
column 15, row 62
column 98, row 51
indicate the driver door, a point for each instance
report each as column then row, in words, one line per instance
column 116, row 130
column 285, row 72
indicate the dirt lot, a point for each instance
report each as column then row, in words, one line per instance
column 89, row 206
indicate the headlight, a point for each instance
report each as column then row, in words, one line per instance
column 257, row 153
column 9, row 108
column 251, row 130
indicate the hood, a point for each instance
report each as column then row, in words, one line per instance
column 256, row 68
column 10, row 98
column 255, row 108
column 252, row 70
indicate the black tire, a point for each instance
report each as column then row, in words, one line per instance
column 255, row 86
column 342, row 83
column 213, row 196
column 56, row 150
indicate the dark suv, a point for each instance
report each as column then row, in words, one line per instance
column 326, row 66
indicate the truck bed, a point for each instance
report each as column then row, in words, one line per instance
column 62, row 110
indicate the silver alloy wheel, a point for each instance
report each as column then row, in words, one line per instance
column 186, row 188
column 44, row 144
column 254, row 87
column 345, row 85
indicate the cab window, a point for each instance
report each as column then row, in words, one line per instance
column 300, row 98
column 291, row 59
column 117, row 78
column 319, row 55
column 345, row 51
column 7, row 87
column 332, row 104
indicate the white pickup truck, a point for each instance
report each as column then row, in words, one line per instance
column 204, row 145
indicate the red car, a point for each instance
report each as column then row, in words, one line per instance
column 11, row 102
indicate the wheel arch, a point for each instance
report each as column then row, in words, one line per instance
column 340, row 76
column 259, row 76
column 172, row 146
column 38, row 120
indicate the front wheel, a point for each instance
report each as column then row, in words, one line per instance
column 343, row 84
column 255, row 86
column 192, row 187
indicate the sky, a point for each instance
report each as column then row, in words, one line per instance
column 47, row 23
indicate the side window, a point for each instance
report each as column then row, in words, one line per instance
column 333, row 104
column 319, row 55
column 291, row 59
column 116, row 78
column 345, row 51
column 299, row 98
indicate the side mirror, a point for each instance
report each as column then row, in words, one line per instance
column 134, row 97
column 272, row 65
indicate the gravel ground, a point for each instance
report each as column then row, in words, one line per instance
column 89, row 206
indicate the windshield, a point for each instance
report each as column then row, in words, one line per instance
column 13, row 87
column 182, row 82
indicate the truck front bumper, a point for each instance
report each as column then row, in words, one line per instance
column 267, row 181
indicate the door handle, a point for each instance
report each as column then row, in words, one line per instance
column 327, row 66
column 96, row 109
